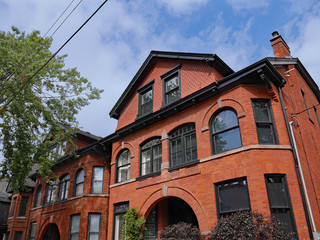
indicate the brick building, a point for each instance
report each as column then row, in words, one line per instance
column 195, row 141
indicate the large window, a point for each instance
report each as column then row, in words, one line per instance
column 119, row 211
column 123, row 166
column 17, row 235
column 79, row 181
column 171, row 85
column 279, row 200
column 183, row 145
column 13, row 206
column 64, row 187
column 232, row 196
column 51, row 188
column 97, row 180
column 74, row 227
column 33, row 228
column 225, row 131
column 264, row 122
column 37, row 198
column 151, row 225
column 23, row 206
column 146, row 99
column 94, row 226
column 151, row 156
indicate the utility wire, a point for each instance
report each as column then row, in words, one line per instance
column 295, row 114
column 30, row 78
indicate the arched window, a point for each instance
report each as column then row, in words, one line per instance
column 37, row 198
column 183, row 145
column 51, row 188
column 151, row 157
column 78, row 186
column 225, row 131
column 64, row 187
column 123, row 166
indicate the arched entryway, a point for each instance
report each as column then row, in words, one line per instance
column 166, row 212
column 51, row 233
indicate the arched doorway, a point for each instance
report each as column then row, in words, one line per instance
column 166, row 212
column 52, row 232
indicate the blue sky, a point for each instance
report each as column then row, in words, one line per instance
column 112, row 46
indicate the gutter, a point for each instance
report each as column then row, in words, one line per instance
column 295, row 156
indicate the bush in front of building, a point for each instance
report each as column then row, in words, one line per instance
column 133, row 225
column 181, row 231
column 249, row 225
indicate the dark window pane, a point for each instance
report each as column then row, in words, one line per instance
column 23, row 206
column 17, row 235
column 224, row 120
column 146, row 108
column 33, row 228
column 276, row 192
column 234, row 196
column 151, row 231
column 265, row 134
column 37, row 199
column 227, row 140
column 261, row 111
column 13, row 207
column 284, row 215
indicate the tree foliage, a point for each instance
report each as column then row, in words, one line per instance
column 249, row 225
column 133, row 225
column 37, row 115
column 181, row 231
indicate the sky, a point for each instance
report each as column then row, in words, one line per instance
column 110, row 49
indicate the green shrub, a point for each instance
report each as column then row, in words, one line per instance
column 180, row 231
column 133, row 225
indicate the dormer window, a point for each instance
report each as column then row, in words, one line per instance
column 58, row 150
column 146, row 99
column 171, row 85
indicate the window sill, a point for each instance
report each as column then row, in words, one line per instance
column 184, row 165
column 148, row 175
column 122, row 183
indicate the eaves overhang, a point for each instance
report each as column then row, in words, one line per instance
column 211, row 59
column 302, row 70
column 261, row 72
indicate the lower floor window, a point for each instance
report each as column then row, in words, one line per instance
column 17, row 235
column 94, row 226
column 232, row 196
column 74, row 227
column 151, row 225
column 279, row 200
column 119, row 211
column 33, row 228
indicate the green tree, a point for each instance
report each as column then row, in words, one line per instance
column 133, row 225
column 37, row 115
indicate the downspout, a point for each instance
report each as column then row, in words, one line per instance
column 296, row 163
column 302, row 179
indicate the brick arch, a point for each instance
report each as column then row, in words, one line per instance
column 46, row 224
column 181, row 193
column 224, row 103
column 180, row 125
column 119, row 148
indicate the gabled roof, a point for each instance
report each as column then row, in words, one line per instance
column 302, row 70
column 212, row 59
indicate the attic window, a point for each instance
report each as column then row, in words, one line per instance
column 146, row 99
column 58, row 150
column 171, row 85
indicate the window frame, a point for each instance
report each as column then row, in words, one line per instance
column 174, row 72
column 58, row 149
column 89, row 232
column 33, row 237
column 93, row 180
column 220, row 212
column 288, row 207
column 121, row 212
column 18, row 235
column 182, row 137
column 64, row 184
column 76, row 184
column 70, row 225
column 305, row 102
column 212, row 134
column 51, row 189
column 24, row 201
column 123, row 166
column 37, row 197
column 143, row 90
column 152, row 160
column 270, row 122
column 13, row 206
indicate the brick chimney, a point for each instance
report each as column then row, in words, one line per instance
column 280, row 47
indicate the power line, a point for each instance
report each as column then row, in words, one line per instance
column 30, row 78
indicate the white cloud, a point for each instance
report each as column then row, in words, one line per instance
column 239, row 5
column 177, row 7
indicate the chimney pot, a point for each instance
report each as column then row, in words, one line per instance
column 275, row 33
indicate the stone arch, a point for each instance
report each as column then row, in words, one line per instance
column 46, row 224
column 118, row 149
column 179, row 192
column 222, row 103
